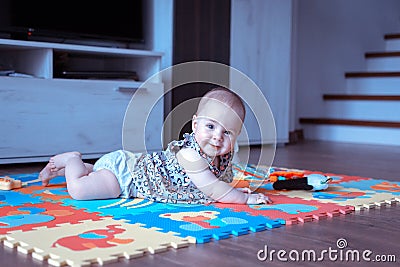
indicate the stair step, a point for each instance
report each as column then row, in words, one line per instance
column 361, row 97
column 372, row 74
column 368, row 123
column 392, row 44
column 383, row 62
column 352, row 134
column 390, row 36
column 364, row 110
column 373, row 85
column 392, row 41
column 382, row 54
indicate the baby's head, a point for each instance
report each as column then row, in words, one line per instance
column 218, row 121
column 225, row 96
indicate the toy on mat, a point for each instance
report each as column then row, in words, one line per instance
column 315, row 182
column 284, row 175
column 8, row 183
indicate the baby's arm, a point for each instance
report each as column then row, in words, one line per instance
column 197, row 169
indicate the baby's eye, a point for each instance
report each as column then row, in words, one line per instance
column 210, row 126
column 228, row 132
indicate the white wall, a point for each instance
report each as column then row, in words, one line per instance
column 160, row 31
column 332, row 37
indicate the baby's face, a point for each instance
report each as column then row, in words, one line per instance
column 216, row 128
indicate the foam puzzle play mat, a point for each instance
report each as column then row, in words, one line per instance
column 46, row 223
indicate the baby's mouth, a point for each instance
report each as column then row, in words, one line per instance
column 214, row 146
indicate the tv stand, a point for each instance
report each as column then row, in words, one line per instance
column 49, row 113
column 101, row 75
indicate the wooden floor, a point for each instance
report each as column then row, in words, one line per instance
column 374, row 230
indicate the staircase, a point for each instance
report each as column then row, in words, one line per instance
column 369, row 110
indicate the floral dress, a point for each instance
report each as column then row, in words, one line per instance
column 159, row 177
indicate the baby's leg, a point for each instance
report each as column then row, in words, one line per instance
column 51, row 171
column 81, row 183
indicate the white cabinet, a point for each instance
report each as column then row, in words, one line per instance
column 46, row 114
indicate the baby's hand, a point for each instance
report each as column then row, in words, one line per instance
column 258, row 199
column 244, row 190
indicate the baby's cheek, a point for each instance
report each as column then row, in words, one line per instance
column 232, row 142
column 229, row 146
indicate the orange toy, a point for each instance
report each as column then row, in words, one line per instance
column 8, row 183
column 273, row 177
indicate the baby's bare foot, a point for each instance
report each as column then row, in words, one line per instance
column 47, row 174
column 59, row 161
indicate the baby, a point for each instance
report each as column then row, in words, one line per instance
column 196, row 169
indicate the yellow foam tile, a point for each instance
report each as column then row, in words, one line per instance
column 93, row 242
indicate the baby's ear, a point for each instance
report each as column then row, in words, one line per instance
column 194, row 122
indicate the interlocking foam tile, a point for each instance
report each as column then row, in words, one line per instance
column 15, row 198
column 381, row 186
column 291, row 210
column 56, row 191
column 119, row 207
column 19, row 197
column 47, row 223
column 337, row 178
column 91, row 242
column 254, row 173
column 26, row 176
column 53, row 192
column 359, row 199
column 29, row 216
column 356, row 191
column 203, row 223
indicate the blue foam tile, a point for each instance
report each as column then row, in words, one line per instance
column 223, row 235
column 14, row 198
column 204, row 239
column 381, row 186
column 25, row 176
column 119, row 207
column 201, row 222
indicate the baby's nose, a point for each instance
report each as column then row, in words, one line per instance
column 218, row 135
